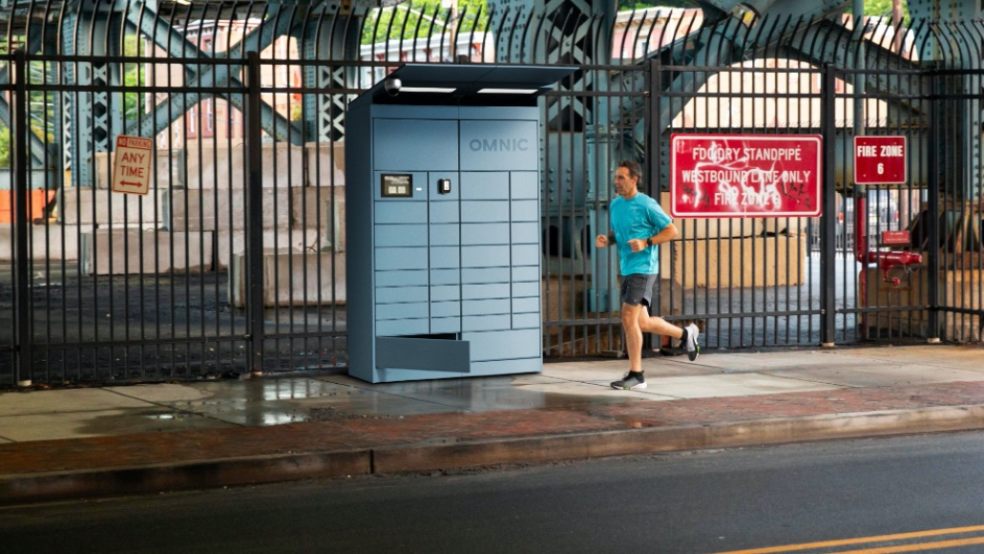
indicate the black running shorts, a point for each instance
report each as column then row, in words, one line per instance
column 638, row 289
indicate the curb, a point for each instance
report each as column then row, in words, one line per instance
column 655, row 440
column 450, row 455
column 42, row 487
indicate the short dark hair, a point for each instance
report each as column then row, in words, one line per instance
column 633, row 168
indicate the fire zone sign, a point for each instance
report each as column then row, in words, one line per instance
column 131, row 165
column 879, row 160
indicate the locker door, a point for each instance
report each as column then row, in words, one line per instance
column 400, row 253
column 485, row 250
column 524, row 234
column 418, row 300
column 444, row 254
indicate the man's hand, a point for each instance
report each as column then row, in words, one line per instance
column 637, row 245
column 601, row 241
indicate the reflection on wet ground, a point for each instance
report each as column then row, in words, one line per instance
column 574, row 386
column 278, row 401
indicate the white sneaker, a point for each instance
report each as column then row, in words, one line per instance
column 693, row 347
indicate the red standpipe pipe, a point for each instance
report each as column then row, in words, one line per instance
column 885, row 260
column 861, row 249
column 860, row 230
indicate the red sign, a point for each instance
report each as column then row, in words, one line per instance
column 745, row 175
column 879, row 160
column 895, row 238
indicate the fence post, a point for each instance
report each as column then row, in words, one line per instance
column 933, row 213
column 653, row 134
column 254, row 218
column 828, row 255
column 654, row 127
column 22, row 221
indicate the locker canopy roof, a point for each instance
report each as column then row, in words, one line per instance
column 470, row 84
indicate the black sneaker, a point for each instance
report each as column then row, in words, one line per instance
column 633, row 380
column 671, row 350
column 693, row 347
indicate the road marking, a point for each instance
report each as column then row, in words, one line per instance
column 939, row 545
column 877, row 538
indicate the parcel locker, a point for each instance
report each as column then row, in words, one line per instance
column 443, row 223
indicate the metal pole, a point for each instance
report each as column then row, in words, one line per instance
column 896, row 22
column 653, row 132
column 859, row 79
column 859, row 193
column 828, row 257
column 452, row 29
column 933, row 213
column 254, row 218
column 22, row 297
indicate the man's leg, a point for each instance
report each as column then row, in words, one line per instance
column 658, row 325
column 634, row 379
column 635, row 297
column 631, row 316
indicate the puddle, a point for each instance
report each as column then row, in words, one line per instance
column 144, row 421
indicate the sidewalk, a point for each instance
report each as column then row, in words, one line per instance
column 73, row 443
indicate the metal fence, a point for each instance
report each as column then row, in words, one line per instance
column 234, row 260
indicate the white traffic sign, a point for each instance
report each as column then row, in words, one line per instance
column 131, row 165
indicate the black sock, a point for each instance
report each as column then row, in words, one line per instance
column 683, row 339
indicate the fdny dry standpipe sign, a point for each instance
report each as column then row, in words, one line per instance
column 745, row 175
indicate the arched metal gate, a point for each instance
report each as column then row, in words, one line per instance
column 234, row 259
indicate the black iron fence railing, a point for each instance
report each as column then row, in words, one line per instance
column 234, row 260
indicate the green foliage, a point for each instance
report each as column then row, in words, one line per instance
column 133, row 76
column 871, row 7
column 4, row 146
column 41, row 105
column 422, row 18
column 414, row 19
column 883, row 8
column 628, row 5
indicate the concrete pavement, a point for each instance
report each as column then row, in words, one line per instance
column 71, row 443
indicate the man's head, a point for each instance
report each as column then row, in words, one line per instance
column 627, row 177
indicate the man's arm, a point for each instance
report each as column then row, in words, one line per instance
column 668, row 233
column 601, row 241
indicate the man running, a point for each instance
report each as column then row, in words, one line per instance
column 639, row 225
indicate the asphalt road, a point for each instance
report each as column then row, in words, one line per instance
column 697, row 502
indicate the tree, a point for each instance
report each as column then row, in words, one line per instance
column 643, row 4
column 423, row 18
column 4, row 146
column 883, row 8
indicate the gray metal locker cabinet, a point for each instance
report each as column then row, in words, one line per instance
column 443, row 222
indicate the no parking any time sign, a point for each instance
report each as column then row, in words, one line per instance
column 131, row 165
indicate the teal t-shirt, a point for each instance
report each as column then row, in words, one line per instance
column 637, row 218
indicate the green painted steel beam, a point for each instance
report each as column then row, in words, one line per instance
column 831, row 43
column 37, row 145
column 275, row 124
column 739, row 37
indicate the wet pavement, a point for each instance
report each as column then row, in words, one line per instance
column 142, row 438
